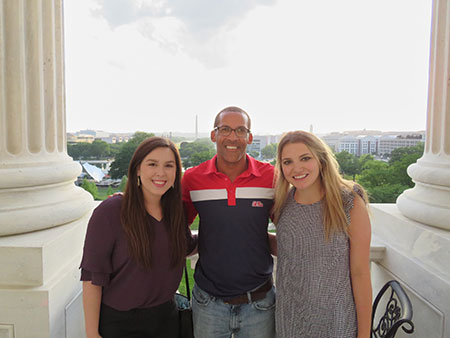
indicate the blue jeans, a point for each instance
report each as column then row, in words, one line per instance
column 214, row 319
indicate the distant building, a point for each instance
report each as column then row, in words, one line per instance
column 84, row 138
column 388, row 143
column 332, row 140
column 71, row 138
column 261, row 141
column 86, row 132
column 371, row 144
column 95, row 133
column 115, row 139
column 367, row 145
column 255, row 146
column 349, row 144
column 89, row 136
column 119, row 138
column 109, row 139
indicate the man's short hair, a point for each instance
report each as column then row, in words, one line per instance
column 234, row 110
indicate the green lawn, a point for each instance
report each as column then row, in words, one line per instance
column 103, row 193
column 194, row 225
column 182, row 286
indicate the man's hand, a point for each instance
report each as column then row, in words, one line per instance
column 272, row 243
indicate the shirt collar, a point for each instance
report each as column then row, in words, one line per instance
column 211, row 166
column 251, row 169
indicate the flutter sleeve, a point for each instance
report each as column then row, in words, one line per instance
column 96, row 264
column 348, row 198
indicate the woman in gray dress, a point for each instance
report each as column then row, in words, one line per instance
column 323, row 234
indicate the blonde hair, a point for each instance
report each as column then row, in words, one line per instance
column 334, row 218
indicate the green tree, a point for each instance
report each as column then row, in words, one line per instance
column 375, row 174
column 399, row 153
column 109, row 191
column 201, row 157
column 119, row 167
column 99, row 149
column 348, row 163
column 399, row 170
column 90, row 187
column 363, row 159
column 196, row 152
column 386, row 193
column 79, row 151
column 187, row 149
column 96, row 150
column 376, row 178
column 386, row 181
column 269, row 151
column 401, row 159
column 123, row 183
column 114, row 149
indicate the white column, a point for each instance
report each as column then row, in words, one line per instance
column 43, row 215
column 36, row 174
column 429, row 201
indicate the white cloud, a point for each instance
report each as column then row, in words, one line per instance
column 337, row 65
column 198, row 27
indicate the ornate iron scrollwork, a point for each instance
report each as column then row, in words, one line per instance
column 398, row 312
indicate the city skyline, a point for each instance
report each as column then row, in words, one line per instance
column 349, row 65
column 207, row 133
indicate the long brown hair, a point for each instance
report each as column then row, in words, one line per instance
column 334, row 218
column 134, row 215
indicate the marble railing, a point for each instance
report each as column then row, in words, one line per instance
column 377, row 252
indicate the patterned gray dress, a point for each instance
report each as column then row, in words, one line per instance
column 314, row 292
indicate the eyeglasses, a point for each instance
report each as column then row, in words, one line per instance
column 226, row 131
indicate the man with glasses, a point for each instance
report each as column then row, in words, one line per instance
column 232, row 193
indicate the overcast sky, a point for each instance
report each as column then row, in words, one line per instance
column 153, row 65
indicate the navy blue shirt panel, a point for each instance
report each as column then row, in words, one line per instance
column 240, row 262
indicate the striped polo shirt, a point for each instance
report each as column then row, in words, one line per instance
column 233, row 246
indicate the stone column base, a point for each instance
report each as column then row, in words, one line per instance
column 428, row 202
column 416, row 255
column 40, row 288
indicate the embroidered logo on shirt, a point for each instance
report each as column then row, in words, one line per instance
column 257, row 204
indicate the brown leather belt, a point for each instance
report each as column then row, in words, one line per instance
column 255, row 295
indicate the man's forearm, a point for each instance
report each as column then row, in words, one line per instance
column 272, row 243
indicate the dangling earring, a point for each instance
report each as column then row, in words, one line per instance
column 173, row 185
column 139, row 182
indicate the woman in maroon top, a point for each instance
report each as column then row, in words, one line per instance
column 135, row 249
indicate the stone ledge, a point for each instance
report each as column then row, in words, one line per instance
column 40, row 312
column 31, row 259
column 422, row 243
column 377, row 249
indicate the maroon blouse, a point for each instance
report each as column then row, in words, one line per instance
column 106, row 261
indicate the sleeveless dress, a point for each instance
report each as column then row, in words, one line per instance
column 314, row 291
